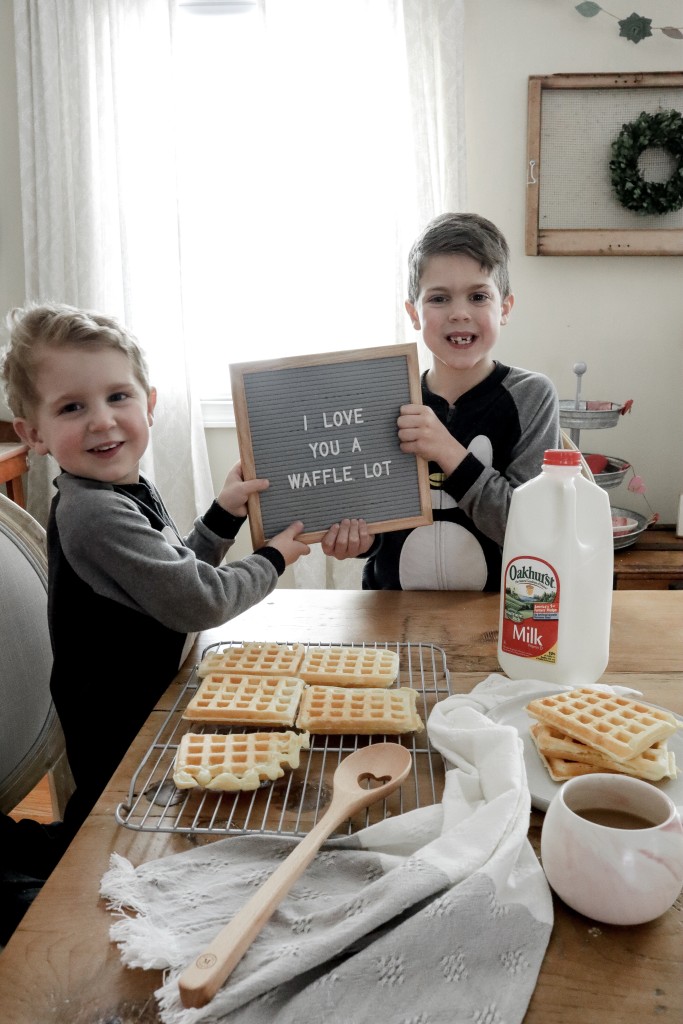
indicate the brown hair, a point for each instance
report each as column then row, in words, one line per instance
column 55, row 325
column 460, row 233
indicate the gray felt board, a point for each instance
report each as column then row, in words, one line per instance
column 325, row 437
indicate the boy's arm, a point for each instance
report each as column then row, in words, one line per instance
column 483, row 492
column 421, row 433
column 111, row 545
column 215, row 532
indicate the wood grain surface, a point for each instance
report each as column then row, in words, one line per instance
column 61, row 968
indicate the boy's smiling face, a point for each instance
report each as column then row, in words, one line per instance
column 93, row 416
column 459, row 310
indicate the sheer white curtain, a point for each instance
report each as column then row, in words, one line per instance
column 99, row 204
column 361, row 141
column 378, row 86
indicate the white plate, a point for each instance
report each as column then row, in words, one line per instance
column 541, row 786
column 622, row 525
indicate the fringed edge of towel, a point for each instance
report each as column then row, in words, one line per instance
column 120, row 887
column 133, row 933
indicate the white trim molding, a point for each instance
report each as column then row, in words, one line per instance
column 217, row 412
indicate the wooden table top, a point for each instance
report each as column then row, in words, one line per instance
column 60, row 967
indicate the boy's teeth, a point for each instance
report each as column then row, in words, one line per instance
column 105, row 447
column 460, row 340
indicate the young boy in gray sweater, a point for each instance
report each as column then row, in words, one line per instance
column 482, row 426
column 124, row 588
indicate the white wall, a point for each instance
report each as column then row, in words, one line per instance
column 622, row 315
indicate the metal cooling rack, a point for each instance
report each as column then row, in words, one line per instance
column 293, row 804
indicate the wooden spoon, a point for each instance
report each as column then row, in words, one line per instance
column 385, row 763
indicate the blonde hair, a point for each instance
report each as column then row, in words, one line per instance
column 55, row 325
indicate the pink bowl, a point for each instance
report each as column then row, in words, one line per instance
column 622, row 525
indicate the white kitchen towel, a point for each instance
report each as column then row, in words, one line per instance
column 441, row 914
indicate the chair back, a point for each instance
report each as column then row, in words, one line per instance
column 31, row 738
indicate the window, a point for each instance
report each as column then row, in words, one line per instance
column 296, row 182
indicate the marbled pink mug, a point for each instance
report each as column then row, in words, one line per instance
column 612, row 848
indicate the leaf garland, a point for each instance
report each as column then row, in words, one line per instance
column 662, row 130
column 635, row 28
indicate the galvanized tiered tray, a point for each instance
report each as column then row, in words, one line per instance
column 577, row 415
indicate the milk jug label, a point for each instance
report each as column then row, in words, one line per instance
column 531, row 609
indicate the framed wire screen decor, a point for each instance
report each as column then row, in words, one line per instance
column 572, row 208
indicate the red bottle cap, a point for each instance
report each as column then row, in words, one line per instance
column 562, row 457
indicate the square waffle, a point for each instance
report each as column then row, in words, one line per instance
column 262, row 659
column 239, row 761
column 349, row 666
column 616, row 726
column 565, row 757
column 368, row 711
column 245, row 700
column 560, row 770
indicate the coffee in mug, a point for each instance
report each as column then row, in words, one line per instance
column 611, row 817
column 612, row 848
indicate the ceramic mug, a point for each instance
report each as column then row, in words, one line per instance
column 612, row 848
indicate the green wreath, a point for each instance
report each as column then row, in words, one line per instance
column 663, row 130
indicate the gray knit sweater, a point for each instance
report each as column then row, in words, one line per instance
column 124, row 590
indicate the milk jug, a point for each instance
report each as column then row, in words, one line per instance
column 556, row 585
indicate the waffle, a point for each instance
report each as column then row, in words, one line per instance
column 263, row 659
column 616, row 726
column 565, row 757
column 236, row 761
column 368, row 711
column 560, row 770
column 245, row 700
column 350, row 666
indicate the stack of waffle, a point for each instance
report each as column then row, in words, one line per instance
column 585, row 731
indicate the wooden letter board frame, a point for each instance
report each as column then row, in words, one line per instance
column 599, row 241
column 327, row 421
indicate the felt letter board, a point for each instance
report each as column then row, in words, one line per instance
column 322, row 429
